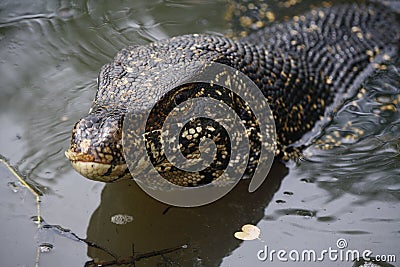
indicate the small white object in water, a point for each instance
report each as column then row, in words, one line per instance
column 249, row 232
column 14, row 186
column 45, row 247
column 121, row 219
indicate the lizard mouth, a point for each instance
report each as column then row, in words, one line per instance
column 97, row 171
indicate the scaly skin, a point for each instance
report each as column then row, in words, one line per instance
column 304, row 67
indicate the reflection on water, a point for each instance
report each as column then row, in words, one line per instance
column 208, row 230
column 50, row 55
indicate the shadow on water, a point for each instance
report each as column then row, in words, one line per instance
column 207, row 230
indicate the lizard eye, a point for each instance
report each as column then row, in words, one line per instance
column 180, row 98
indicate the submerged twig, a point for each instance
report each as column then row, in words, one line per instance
column 69, row 234
column 41, row 224
column 35, row 191
column 21, row 177
column 134, row 258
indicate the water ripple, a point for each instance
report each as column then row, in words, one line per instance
column 362, row 152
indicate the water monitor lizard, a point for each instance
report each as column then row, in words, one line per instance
column 303, row 67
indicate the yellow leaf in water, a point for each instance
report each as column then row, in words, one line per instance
column 249, row 232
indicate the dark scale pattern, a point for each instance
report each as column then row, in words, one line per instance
column 313, row 59
column 305, row 67
column 196, row 130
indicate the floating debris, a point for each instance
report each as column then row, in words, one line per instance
column 121, row 219
column 14, row 186
column 37, row 220
column 45, row 247
column 249, row 232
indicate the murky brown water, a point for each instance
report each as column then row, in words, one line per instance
column 50, row 55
